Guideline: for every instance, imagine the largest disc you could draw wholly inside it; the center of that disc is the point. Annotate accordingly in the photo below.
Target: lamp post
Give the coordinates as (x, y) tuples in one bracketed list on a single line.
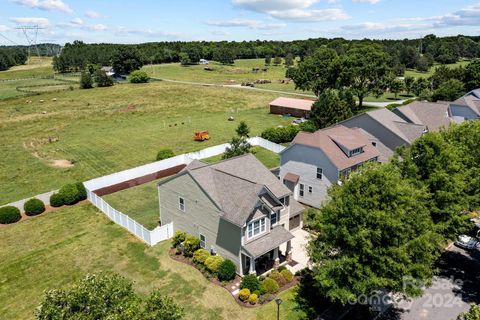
[(278, 301)]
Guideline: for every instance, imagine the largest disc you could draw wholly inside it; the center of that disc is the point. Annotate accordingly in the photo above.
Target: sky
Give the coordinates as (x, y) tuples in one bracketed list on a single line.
[(140, 21)]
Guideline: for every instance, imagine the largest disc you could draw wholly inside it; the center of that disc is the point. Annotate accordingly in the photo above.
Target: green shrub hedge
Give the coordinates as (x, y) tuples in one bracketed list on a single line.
[(33, 207), (253, 298), (138, 76), (227, 270), (200, 256), (244, 294), (190, 245), (270, 285), (281, 134), (250, 282), (277, 276), (178, 238), (56, 200), (81, 191), (213, 263), (69, 193), (165, 154), (287, 275), (9, 214)]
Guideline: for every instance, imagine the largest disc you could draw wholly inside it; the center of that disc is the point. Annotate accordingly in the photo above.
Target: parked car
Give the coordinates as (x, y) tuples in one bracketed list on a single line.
[(299, 120), (467, 242)]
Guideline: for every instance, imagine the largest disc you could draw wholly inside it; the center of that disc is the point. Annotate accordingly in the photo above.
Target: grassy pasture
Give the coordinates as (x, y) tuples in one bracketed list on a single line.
[(36, 67), (55, 249), (141, 202), (101, 134), (419, 74)]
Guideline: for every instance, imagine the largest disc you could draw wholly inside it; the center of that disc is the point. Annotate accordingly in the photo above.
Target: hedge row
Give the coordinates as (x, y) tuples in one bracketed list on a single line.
[(69, 194), (34, 207), (9, 214), (287, 133)]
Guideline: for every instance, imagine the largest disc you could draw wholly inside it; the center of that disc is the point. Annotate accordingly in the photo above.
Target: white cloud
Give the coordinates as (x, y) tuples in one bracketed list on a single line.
[(147, 32), (3, 28), (98, 27), (48, 5), (219, 32), (31, 20), (251, 24), (367, 1), (292, 10), (77, 22), (92, 14)]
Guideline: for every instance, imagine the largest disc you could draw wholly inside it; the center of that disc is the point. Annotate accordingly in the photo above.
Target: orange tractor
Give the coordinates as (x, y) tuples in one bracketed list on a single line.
[(201, 136)]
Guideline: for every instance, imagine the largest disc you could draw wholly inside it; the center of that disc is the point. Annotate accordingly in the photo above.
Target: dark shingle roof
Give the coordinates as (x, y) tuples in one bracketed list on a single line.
[(277, 236)]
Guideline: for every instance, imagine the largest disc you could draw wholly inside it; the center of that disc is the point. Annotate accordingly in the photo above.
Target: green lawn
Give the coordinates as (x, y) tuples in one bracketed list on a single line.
[(56, 249), (36, 67), (8, 89), (389, 97), (141, 202), (418, 74), (101, 135)]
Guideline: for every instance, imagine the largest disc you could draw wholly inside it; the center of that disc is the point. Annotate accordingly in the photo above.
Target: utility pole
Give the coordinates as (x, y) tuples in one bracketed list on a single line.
[(31, 38)]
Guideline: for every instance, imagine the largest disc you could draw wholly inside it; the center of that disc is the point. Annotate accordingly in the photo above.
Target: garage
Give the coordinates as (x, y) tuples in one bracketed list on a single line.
[(294, 222)]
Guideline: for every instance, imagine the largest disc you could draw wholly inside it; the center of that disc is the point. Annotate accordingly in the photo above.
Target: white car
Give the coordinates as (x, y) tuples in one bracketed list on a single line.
[(467, 242)]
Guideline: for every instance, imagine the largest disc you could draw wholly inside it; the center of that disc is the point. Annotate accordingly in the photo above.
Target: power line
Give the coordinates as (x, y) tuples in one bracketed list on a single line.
[(1, 35), (32, 40)]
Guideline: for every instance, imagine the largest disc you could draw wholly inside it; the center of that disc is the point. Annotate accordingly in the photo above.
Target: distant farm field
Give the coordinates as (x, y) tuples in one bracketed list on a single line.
[(419, 74), (104, 130)]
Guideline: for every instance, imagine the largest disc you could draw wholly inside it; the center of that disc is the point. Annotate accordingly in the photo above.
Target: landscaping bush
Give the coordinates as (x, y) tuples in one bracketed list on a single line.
[(165, 154), (281, 134), (9, 214), (266, 298), (190, 245), (69, 194), (250, 282), (307, 126), (244, 294), (178, 238), (227, 270), (138, 76), (81, 191), (213, 263), (33, 207), (253, 299), (56, 200), (281, 268), (287, 275), (200, 256), (270, 285), (277, 276), (261, 289)]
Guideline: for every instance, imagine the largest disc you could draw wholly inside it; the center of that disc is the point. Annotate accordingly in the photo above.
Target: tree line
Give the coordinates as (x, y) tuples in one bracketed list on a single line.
[(415, 53), (10, 57)]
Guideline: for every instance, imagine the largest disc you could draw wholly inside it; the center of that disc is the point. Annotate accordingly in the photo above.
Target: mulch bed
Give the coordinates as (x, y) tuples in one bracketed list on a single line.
[(227, 286), (48, 209)]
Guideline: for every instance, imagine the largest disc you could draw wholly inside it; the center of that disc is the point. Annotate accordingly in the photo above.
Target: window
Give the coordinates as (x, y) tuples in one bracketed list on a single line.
[(181, 204), (310, 189), (202, 241), (302, 190), (319, 173), (256, 227), (273, 218), (282, 201), (374, 143), (356, 151)]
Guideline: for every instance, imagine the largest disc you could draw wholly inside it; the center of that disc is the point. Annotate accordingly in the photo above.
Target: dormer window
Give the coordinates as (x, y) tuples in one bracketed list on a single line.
[(355, 151)]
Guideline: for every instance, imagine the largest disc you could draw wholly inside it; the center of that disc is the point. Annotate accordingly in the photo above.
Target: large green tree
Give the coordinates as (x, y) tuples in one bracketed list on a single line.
[(472, 75), (330, 108), (126, 60), (449, 91), (373, 233), (239, 145), (105, 296)]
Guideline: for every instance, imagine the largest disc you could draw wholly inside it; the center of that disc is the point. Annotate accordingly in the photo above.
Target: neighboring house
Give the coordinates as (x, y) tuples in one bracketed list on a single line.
[(433, 115), (296, 107), (315, 161), (237, 208), (386, 130), (203, 61), (109, 71), (466, 107)]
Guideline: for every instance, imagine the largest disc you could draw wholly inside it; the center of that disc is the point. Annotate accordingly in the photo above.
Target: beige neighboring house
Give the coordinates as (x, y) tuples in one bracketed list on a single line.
[(433, 115), (237, 208)]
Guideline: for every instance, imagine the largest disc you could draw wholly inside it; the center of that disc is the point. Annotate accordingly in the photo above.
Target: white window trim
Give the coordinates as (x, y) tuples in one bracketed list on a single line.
[(321, 173), (204, 241), (310, 189), (277, 214), (180, 199), (301, 189), (253, 228)]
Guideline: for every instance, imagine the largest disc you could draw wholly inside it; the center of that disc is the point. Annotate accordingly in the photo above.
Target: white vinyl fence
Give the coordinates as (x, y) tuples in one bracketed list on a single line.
[(160, 233)]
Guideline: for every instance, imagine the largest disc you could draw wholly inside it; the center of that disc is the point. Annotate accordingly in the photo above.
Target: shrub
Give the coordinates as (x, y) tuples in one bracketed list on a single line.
[(261, 290), (307, 126), (165, 154), (213, 263), (250, 282), (281, 268), (178, 238), (69, 194), (281, 134), (253, 298), (200, 256), (9, 214), (56, 200), (227, 270), (81, 191), (270, 285), (190, 245), (287, 275), (277, 276), (266, 298), (244, 294), (33, 207), (138, 76)]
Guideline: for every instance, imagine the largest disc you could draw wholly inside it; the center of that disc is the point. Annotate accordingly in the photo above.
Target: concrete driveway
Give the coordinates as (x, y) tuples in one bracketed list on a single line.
[(452, 292)]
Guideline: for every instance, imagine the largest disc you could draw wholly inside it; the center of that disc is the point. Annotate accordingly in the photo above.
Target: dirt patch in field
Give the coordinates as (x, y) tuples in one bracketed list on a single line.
[(62, 163)]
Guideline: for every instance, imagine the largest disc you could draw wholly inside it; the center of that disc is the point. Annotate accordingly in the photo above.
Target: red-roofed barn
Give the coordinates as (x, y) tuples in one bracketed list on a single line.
[(296, 107)]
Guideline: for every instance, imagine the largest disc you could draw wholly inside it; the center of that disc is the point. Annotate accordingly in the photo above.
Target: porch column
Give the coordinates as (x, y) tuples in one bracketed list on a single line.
[(276, 259), (289, 251), (252, 266)]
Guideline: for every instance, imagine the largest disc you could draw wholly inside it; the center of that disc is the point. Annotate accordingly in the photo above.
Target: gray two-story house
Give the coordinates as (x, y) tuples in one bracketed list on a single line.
[(237, 208), (315, 161)]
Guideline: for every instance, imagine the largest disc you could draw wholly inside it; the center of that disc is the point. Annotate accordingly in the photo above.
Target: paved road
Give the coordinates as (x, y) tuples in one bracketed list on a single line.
[(452, 292)]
